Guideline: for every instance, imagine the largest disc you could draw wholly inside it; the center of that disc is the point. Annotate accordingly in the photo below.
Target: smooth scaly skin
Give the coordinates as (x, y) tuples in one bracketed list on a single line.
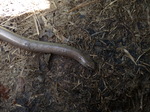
[(45, 47)]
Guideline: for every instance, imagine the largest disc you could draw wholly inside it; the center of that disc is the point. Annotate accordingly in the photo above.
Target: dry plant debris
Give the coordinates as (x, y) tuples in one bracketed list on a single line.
[(116, 34)]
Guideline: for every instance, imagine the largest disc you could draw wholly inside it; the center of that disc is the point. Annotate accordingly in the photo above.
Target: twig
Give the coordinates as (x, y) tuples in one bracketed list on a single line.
[(142, 54), (82, 5), (108, 6), (37, 25), (130, 56)]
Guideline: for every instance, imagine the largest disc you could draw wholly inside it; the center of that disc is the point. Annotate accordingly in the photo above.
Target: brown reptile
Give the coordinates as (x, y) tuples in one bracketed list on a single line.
[(46, 47)]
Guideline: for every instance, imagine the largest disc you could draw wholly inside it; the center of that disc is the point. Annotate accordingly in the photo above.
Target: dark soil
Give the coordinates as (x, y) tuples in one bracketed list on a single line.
[(116, 34)]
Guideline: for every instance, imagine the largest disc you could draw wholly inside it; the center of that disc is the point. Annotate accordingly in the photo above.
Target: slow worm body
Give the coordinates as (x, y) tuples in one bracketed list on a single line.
[(45, 47)]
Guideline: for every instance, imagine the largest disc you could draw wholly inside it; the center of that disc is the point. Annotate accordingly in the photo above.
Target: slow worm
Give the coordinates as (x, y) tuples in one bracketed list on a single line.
[(45, 47)]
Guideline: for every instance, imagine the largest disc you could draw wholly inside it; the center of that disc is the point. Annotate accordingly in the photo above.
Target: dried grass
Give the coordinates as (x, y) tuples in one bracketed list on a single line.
[(114, 32)]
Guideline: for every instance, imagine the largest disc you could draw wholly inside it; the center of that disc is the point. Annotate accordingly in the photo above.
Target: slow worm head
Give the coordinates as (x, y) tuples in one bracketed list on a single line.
[(45, 47)]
